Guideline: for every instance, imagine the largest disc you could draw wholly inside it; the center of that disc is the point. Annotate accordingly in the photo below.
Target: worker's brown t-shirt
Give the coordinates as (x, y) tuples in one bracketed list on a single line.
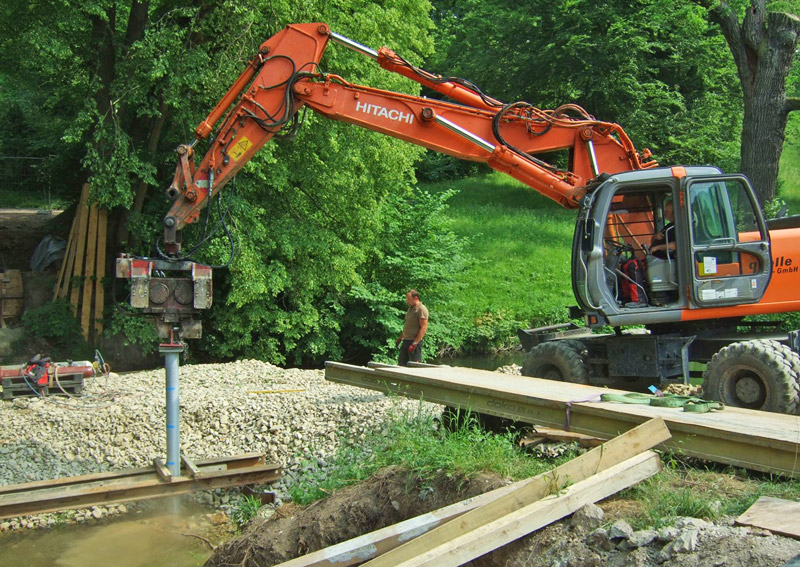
[(411, 326)]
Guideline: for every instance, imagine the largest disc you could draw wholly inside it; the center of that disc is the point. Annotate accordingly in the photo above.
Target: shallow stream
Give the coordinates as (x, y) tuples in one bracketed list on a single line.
[(148, 538)]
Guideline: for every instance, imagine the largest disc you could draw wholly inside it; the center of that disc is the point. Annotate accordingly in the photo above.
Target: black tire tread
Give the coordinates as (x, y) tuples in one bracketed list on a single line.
[(781, 363), (566, 355)]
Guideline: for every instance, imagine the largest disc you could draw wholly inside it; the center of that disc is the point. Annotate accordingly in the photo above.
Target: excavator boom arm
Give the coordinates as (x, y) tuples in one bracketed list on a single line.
[(283, 78)]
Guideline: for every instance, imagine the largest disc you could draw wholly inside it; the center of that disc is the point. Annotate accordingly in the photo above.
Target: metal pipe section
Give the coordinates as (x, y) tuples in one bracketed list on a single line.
[(593, 158), (466, 134), (171, 360), (354, 45)]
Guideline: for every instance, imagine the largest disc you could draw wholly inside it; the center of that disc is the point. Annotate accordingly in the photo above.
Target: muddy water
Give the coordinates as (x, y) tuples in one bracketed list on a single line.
[(144, 539)]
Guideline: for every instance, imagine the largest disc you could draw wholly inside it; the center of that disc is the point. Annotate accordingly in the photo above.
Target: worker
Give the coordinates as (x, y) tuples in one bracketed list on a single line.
[(664, 239), (414, 329)]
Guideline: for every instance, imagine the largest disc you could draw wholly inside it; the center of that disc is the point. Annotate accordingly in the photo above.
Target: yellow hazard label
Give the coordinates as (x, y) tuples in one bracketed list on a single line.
[(239, 147)]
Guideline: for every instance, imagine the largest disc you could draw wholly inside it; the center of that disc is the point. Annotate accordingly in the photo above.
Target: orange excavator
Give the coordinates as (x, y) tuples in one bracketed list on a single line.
[(683, 254)]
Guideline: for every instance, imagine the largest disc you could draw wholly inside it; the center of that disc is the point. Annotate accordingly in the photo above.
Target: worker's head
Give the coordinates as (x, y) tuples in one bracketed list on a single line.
[(412, 297), (669, 211)]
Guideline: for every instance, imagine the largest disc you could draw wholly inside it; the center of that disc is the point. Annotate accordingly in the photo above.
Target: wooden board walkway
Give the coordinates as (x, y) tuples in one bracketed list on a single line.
[(134, 484), (750, 439), (774, 514)]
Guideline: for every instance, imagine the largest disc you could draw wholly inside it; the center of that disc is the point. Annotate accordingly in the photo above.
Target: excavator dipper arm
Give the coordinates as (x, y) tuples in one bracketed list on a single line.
[(284, 77)]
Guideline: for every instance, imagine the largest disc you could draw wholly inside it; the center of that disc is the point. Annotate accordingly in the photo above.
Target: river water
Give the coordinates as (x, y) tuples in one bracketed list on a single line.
[(151, 538)]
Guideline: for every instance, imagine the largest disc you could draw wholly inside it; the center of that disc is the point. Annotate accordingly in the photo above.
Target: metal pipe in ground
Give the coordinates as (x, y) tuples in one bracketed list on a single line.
[(172, 354)]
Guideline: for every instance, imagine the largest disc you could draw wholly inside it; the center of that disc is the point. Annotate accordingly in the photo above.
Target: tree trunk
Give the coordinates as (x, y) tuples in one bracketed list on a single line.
[(141, 187), (763, 47)]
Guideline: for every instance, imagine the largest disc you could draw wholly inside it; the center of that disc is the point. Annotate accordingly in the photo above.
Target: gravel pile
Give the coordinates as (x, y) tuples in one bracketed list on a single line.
[(121, 423)]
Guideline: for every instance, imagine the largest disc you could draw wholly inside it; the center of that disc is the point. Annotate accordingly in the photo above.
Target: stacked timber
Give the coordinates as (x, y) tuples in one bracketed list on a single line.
[(11, 295), (80, 279)]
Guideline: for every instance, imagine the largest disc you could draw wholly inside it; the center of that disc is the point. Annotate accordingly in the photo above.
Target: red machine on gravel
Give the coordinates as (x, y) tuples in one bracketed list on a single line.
[(40, 376), (718, 268)]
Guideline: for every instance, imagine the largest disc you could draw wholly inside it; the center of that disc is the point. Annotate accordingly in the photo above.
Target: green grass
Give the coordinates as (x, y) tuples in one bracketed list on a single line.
[(17, 199), (709, 493), (415, 442), (789, 173), (521, 242), (246, 509)]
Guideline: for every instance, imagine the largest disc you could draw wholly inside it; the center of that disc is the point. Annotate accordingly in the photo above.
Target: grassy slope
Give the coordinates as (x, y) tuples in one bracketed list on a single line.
[(789, 176), (521, 242)]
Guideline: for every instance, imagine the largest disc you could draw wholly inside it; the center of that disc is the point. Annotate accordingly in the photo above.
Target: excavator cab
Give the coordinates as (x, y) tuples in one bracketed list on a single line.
[(650, 245)]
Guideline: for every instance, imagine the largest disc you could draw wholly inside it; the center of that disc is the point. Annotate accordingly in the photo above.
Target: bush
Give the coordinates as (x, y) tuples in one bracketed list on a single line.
[(434, 167), (52, 330)]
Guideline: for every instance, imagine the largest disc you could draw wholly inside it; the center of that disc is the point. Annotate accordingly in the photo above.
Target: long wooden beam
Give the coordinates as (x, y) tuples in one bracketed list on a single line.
[(132, 484), (474, 543), (416, 534), (612, 453), (750, 439)]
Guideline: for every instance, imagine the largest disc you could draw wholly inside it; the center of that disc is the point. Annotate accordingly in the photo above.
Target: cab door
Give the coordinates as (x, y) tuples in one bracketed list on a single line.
[(730, 249)]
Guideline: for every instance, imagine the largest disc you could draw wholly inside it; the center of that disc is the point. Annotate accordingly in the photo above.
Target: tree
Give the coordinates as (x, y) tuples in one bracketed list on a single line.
[(656, 67), (763, 46), (120, 83)]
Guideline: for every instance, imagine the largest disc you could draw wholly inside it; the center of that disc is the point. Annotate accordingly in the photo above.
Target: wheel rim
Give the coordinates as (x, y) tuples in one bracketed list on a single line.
[(746, 388), (551, 372)]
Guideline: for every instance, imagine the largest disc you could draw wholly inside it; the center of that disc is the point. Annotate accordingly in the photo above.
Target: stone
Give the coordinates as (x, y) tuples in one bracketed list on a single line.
[(620, 530), (667, 534), (639, 539), (589, 517), (692, 523), (599, 539), (686, 542)]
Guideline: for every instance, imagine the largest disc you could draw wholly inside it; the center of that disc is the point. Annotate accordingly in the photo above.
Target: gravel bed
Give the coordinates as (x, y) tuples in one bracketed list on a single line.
[(121, 422)]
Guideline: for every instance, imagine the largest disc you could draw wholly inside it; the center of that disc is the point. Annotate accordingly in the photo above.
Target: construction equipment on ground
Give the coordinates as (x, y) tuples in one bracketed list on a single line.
[(684, 251), (41, 377)]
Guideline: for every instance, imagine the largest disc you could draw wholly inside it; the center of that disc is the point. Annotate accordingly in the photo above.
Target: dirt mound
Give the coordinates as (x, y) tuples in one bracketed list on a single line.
[(390, 497), (395, 495)]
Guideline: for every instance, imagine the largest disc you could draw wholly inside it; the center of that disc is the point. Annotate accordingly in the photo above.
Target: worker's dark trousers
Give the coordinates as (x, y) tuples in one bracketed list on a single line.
[(405, 357)]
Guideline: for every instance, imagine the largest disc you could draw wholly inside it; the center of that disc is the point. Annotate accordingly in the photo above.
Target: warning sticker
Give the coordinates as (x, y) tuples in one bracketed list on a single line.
[(239, 147), (708, 294)]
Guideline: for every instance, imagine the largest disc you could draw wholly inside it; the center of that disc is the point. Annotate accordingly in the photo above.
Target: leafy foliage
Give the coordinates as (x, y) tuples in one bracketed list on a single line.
[(52, 330), (658, 68), (245, 510), (329, 231)]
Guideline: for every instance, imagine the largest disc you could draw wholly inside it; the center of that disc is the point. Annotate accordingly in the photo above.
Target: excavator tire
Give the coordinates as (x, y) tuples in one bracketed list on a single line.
[(761, 375), (557, 360)]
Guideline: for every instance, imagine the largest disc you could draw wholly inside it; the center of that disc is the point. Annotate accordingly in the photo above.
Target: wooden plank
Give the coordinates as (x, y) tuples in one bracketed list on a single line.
[(745, 438), (100, 272), (125, 489), (567, 436), (80, 247), (373, 544), (492, 535), (777, 515), (69, 257), (213, 464), (162, 470), (376, 543), (610, 454), (66, 265), (190, 466), (88, 273)]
